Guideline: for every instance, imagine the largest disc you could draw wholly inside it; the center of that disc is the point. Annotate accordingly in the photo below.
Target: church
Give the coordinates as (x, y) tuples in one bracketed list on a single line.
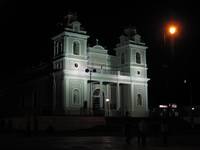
[(88, 79), (84, 80)]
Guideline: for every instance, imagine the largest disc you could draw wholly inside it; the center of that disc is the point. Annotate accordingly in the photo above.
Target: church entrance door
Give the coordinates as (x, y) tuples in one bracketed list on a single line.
[(96, 102)]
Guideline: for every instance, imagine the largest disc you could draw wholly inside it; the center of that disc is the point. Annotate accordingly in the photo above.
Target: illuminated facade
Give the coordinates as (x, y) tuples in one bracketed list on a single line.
[(89, 80)]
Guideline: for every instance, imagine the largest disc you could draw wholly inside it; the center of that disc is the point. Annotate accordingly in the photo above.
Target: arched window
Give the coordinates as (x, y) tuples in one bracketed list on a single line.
[(122, 58), (96, 92), (76, 48), (139, 100), (76, 96), (138, 58)]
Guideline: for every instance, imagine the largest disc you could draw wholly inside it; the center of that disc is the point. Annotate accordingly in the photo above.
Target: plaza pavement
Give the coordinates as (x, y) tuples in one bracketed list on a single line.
[(13, 141)]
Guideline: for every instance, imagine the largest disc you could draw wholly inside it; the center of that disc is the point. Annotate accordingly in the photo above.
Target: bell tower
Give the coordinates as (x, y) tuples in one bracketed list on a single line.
[(71, 44), (69, 63), (131, 52)]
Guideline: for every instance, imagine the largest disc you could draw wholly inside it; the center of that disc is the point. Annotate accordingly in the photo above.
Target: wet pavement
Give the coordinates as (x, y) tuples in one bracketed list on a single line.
[(191, 142)]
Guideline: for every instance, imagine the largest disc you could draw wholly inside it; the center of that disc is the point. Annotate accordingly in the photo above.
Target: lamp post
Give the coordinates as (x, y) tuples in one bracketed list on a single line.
[(192, 108), (108, 106), (90, 70), (170, 32), (190, 88)]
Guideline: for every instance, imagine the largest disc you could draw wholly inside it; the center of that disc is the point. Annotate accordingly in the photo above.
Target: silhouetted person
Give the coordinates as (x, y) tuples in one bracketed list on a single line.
[(85, 108), (164, 131), (142, 126), (128, 128)]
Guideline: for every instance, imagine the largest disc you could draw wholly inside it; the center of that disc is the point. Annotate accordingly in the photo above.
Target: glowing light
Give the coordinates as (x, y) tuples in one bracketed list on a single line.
[(163, 106), (172, 30), (185, 81), (174, 106), (107, 100)]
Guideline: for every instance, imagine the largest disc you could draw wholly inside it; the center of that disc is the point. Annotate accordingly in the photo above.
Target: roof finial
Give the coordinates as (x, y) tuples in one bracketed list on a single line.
[(97, 42), (69, 18)]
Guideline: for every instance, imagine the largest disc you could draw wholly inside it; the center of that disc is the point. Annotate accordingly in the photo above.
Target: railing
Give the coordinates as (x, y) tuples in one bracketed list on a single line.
[(124, 74), (112, 72), (106, 71)]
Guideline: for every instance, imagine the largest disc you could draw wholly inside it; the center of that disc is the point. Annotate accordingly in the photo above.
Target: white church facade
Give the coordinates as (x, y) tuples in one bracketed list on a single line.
[(84, 80), (89, 80)]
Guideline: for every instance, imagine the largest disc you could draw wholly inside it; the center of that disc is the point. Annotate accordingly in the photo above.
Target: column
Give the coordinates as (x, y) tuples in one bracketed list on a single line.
[(118, 94), (132, 98), (65, 44), (101, 95), (108, 101), (85, 92), (67, 92), (91, 90), (107, 91), (146, 96), (63, 88), (118, 97), (54, 92)]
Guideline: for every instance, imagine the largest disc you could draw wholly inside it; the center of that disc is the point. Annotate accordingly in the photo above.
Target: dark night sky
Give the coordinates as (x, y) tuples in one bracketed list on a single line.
[(27, 26)]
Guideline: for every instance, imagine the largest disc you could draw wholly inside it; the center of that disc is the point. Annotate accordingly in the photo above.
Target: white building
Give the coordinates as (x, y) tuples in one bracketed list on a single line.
[(88, 80), (84, 80)]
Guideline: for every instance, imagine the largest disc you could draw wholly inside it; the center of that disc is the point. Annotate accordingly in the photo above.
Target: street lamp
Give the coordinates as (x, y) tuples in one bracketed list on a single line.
[(108, 105), (169, 30), (169, 33), (172, 29), (90, 70)]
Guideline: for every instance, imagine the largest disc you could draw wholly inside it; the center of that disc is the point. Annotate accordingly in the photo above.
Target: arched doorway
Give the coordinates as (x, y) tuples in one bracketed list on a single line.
[(96, 100), (96, 104)]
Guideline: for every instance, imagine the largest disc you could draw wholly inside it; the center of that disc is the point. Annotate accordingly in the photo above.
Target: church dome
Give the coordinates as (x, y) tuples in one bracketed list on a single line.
[(98, 47)]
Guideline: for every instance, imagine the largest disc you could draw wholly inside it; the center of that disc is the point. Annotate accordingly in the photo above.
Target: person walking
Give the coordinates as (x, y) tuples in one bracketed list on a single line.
[(128, 128), (164, 132), (142, 126)]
